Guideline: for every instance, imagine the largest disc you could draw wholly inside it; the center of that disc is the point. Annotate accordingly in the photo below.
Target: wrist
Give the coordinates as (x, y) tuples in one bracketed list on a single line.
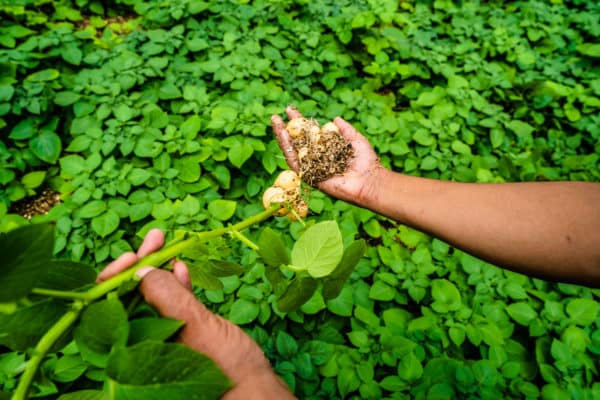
[(370, 194)]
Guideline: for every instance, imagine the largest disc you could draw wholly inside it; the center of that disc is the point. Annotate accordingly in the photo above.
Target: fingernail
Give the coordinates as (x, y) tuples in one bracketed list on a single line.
[(142, 272)]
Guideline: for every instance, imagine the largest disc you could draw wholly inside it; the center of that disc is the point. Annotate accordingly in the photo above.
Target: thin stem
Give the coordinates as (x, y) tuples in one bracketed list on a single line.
[(240, 236), (42, 347), (171, 251), (294, 268), (60, 294)]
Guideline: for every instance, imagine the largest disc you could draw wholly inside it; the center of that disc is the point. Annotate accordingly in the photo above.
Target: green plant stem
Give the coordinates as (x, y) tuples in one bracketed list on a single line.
[(156, 259), (160, 257), (42, 347), (60, 294), (240, 236)]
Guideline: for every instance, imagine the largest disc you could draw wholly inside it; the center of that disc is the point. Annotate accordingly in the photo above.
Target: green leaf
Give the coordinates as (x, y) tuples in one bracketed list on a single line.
[(189, 169), (589, 49), (460, 148), (243, 312), (67, 275), (428, 99), (410, 368), (6, 93), (224, 268), (201, 278), (46, 146), (22, 329), (150, 328), (68, 368), (333, 284), (342, 304), (239, 153), (520, 128), (496, 137), (43, 75), (85, 395), (106, 223), (25, 254), (446, 296), (33, 179), (153, 370), (347, 381), (190, 128), (367, 316), (222, 209), (521, 312), (319, 249), (298, 292), (72, 165), (92, 209), (102, 327), (272, 248), (286, 345), (138, 176), (582, 311), (169, 91), (25, 129), (381, 291), (66, 98)]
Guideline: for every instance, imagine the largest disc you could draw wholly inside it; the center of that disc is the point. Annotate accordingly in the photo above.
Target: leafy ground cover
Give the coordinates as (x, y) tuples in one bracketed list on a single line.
[(155, 114)]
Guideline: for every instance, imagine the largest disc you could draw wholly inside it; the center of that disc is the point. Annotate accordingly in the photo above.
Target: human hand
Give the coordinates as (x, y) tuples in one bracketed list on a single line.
[(358, 183), (230, 347)]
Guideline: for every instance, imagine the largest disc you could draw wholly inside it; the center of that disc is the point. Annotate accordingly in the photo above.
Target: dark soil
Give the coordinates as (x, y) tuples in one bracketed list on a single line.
[(36, 205), (328, 157)]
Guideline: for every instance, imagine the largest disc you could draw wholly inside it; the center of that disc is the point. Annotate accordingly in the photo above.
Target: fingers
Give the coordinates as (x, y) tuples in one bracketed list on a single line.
[(125, 261), (153, 241), (284, 142), (292, 112), (347, 130), (163, 291), (182, 274)]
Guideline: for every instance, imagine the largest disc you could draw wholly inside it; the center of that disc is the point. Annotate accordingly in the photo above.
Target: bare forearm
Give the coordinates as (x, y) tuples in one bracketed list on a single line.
[(549, 230)]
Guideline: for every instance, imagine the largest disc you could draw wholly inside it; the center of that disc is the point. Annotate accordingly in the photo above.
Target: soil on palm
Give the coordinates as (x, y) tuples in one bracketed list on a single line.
[(319, 161)]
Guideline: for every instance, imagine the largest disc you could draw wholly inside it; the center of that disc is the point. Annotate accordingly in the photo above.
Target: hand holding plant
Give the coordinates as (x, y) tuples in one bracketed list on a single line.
[(356, 184), (239, 357)]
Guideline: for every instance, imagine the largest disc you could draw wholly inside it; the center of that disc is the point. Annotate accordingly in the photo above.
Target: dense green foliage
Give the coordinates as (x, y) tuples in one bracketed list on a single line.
[(153, 113)]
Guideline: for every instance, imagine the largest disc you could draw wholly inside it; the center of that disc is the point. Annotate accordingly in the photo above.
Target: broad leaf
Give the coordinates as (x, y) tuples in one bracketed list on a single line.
[(22, 329), (67, 275), (272, 248), (446, 296), (298, 292), (154, 370), (46, 146), (582, 311), (224, 268), (243, 311), (521, 312), (103, 326), (25, 255), (319, 249), (85, 395), (152, 329), (222, 209), (333, 284), (201, 278)]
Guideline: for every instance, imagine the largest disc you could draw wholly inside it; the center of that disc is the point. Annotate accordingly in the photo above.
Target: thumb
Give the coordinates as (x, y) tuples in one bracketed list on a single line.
[(169, 296)]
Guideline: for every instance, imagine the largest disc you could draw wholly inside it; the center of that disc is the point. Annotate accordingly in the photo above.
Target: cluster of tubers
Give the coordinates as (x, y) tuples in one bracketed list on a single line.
[(286, 190)]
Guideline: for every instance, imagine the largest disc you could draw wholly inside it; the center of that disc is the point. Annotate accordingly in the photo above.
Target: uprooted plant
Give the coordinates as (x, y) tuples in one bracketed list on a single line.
[(43, 299)]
